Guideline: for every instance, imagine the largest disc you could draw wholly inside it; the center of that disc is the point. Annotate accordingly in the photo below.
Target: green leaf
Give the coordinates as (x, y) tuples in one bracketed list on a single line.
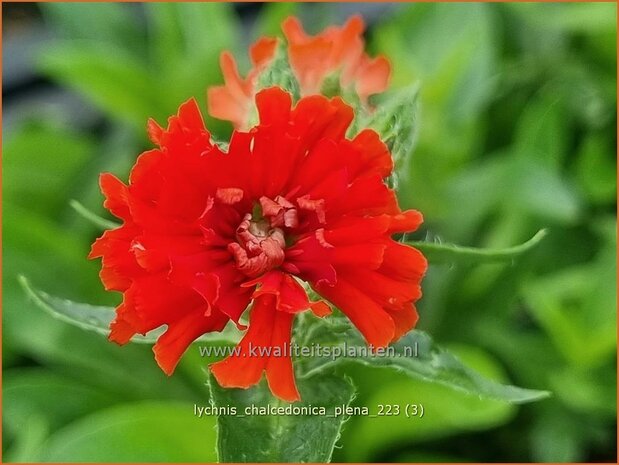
[(115, 154), (106, 22), (583, 296), (33, 245), (446, 412), (89, 317), (557, 436), (279, 74), (118, 370), (92, 217), (98, 318), (40, 162), (596, 170), (29, 440), (110, 77), (458, 74), (541, 132), (587, 391), (415, 354), (457, 69), (207, 27), (185, 41), (584, 18), (507, 184), (141, 432), (58, 399), (271, 17), (165, 37), (450, 253), (280, 438)]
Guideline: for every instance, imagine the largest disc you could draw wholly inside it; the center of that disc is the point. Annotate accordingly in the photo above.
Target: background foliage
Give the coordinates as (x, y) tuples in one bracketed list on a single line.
[(516, 133)]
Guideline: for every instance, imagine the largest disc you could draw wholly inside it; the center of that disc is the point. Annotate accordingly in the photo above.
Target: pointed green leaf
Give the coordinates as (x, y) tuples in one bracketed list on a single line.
[(448, 412), (107, 75), (271, 16), (151, 431), (566, 301), (415, 354), (281, 437), (29, 440), (57, 397), (101, 21), (51, 157), (90, 317), (98, 318), (449, 253)]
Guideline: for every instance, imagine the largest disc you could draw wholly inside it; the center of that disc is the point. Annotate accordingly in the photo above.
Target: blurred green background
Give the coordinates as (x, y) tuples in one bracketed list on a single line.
[(517, 131)]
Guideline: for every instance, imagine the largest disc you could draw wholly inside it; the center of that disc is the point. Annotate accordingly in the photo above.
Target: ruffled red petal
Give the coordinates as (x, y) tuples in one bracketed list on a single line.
[(118, 265), (121, 331), (279, 370), (369, 155), (152, 301), (206, 232), (116, 196), (289, 294), (368, 316), (180, 334), (265, 347)]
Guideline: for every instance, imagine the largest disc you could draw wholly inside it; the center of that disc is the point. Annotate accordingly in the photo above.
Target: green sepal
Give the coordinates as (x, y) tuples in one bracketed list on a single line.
[(278, 73), (395, 120)]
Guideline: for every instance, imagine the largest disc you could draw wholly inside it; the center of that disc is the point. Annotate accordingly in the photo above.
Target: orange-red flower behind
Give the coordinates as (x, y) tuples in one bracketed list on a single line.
[(313, 59), (206, 232)]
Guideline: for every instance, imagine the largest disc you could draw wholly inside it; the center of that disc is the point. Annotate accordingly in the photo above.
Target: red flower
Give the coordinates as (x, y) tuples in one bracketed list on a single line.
[(205, 232), (312, 58)]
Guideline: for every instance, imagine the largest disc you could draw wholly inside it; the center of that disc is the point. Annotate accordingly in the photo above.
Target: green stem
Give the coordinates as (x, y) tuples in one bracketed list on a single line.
[(92, 217), (450, 253)]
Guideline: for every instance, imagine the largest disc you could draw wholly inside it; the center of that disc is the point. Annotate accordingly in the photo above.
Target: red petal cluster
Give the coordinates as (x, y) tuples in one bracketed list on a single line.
[(207, 232), (312, 58)]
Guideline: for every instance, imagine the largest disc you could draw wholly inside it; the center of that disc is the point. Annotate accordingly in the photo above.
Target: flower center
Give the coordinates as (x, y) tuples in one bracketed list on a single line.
[(260, 238)]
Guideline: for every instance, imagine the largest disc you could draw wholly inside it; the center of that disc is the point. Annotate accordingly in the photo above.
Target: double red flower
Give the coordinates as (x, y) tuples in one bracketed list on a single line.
[(206, 232), (337, 52)]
